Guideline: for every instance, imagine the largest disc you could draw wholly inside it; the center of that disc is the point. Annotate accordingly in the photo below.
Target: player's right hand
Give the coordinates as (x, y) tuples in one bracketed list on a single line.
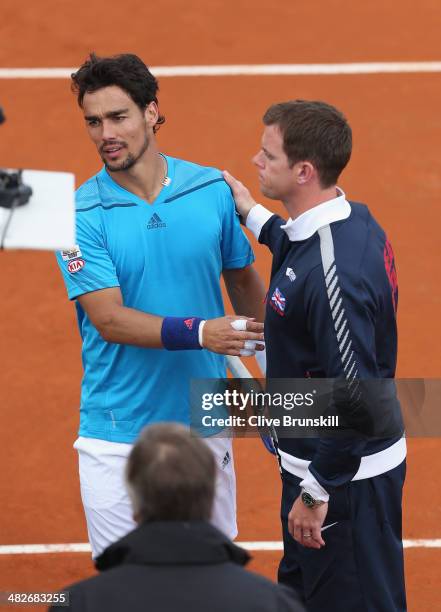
[(218, 335)]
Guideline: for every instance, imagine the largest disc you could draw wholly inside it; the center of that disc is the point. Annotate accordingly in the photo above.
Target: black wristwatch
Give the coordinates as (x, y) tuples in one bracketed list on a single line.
[(309, 500)]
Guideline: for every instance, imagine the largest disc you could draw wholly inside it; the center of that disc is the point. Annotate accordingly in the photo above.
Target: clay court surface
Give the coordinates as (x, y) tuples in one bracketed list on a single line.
[(213, 121)]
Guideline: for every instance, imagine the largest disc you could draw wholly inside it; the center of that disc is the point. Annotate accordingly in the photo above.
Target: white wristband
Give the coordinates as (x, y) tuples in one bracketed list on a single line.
[(200, 334)]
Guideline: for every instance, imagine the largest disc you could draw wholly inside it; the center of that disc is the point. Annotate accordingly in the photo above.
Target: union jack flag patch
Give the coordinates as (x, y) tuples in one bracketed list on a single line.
[(278, 302)]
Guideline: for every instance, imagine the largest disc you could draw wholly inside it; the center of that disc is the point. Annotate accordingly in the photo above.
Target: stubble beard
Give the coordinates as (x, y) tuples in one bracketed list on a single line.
[(130, 160)]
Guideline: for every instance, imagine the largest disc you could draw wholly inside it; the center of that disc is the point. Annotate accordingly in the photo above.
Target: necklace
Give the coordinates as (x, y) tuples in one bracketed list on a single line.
[(166, 180)]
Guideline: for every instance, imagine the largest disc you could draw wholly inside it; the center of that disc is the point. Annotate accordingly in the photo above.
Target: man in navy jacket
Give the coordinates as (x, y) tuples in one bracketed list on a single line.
[(331, 313)]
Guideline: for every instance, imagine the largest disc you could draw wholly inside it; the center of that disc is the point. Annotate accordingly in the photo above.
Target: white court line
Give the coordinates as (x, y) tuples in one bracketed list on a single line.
[(243, 70), (31, 549)]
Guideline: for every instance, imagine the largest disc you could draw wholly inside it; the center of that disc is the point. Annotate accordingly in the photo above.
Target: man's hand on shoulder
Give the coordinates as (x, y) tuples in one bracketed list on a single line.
[(242, 197)]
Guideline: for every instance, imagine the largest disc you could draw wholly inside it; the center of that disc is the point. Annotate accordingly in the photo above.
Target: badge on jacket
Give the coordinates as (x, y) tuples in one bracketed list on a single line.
[(278, 302)]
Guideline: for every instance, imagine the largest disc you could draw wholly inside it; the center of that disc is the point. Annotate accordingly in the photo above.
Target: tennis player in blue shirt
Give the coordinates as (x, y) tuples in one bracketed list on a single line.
[(154, 235)]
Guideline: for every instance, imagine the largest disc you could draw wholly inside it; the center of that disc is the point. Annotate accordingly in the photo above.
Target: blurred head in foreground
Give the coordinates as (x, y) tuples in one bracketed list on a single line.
[(170, 475)]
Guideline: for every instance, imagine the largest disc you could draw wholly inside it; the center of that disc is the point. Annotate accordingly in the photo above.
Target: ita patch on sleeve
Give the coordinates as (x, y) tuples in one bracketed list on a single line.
[(72, 253)]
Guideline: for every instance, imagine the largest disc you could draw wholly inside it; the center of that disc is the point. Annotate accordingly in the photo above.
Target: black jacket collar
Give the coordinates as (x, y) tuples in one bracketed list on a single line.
[(174, 543)]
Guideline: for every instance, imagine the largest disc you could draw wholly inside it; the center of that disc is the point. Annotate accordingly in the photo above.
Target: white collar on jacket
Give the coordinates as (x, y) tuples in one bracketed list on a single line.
[(306, 224)]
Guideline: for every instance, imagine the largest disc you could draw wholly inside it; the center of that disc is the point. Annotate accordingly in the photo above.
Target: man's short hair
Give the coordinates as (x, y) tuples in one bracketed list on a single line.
[(316, 132), (126, 71), (171, 475)]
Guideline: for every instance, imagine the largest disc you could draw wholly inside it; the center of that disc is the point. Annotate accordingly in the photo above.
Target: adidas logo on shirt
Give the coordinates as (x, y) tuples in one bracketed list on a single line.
[(226, 460), (155, 222)]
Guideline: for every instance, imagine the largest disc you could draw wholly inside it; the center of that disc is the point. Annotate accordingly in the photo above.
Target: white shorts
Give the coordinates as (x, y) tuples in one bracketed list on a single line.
[(107, 505)]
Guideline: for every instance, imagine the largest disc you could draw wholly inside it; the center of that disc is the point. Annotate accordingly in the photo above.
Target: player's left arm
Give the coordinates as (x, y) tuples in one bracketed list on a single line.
[(245, 288), (247, 294), (246, 291)]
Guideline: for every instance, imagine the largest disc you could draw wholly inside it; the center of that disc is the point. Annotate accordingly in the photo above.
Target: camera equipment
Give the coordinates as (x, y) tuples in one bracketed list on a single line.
[(13, 192), (37, 208)]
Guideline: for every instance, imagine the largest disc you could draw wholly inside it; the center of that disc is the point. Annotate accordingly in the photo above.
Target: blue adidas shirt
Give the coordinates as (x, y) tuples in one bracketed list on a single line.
[(167, 259)]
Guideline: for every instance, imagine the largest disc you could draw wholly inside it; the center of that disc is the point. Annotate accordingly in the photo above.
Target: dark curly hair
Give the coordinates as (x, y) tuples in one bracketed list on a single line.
[(126, 71)]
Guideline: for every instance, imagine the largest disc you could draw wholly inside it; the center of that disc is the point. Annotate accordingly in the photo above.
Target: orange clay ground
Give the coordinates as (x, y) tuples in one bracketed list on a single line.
[(213, 121)]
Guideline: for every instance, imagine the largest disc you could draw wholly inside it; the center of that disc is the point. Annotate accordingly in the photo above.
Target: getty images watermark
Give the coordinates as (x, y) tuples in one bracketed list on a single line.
[(316, 407), (259, 402)]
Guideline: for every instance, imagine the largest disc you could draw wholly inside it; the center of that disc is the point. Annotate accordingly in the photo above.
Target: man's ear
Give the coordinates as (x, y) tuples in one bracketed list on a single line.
[(151, 114), (304, 172)]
